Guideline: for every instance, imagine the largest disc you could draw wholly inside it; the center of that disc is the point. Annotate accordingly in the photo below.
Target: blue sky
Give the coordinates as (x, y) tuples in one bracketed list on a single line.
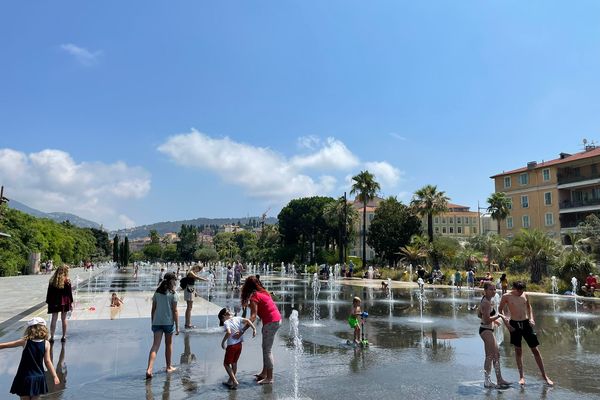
[(130, 113)]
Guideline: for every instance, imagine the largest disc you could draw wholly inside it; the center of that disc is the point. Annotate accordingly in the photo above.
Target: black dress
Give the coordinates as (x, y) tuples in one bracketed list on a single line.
[(30, 379), (59, 300)]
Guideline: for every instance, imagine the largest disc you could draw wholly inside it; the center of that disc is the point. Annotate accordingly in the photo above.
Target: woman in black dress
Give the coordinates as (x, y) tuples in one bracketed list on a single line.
[(60, 300)]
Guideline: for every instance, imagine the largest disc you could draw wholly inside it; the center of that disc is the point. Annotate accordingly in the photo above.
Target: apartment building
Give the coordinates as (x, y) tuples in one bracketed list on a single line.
[(458, 222), (552, 196)]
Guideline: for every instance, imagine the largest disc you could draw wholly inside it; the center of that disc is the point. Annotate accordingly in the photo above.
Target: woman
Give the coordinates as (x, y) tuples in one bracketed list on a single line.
[(489, 320), (189, 292), (60, 300), (165, 319), (261, 304)]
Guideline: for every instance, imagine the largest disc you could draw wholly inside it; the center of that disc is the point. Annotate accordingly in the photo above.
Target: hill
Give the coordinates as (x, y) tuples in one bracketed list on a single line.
[(54, 216), (175, 226)]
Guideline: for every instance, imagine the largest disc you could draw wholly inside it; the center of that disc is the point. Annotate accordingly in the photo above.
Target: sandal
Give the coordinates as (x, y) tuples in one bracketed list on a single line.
[(63, 339)]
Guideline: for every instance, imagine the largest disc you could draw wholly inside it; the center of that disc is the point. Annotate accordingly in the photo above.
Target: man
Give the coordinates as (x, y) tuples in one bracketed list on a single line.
[(590, 285), (521, 327)]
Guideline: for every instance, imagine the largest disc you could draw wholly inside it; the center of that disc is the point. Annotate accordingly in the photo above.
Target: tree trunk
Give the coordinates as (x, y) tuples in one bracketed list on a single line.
[(536, 272), (364, 247), (430, 227)]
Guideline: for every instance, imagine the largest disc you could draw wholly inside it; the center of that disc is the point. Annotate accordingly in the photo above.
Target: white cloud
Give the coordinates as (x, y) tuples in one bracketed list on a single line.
[(126, 222), (333, 155), (262, 172), (82, 55), (398, 136), (309, 142), (51, 180), (270, 176), (386, 174)]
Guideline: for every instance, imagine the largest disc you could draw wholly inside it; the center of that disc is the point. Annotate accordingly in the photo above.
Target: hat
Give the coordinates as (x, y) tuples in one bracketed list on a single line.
[(36, 321), (221, 316)]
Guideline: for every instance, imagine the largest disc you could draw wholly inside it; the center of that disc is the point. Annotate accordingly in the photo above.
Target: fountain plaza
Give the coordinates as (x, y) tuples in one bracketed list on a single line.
[(423, 344)]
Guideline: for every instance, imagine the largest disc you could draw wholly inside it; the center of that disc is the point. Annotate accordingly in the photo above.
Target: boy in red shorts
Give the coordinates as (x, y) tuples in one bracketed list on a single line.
[(233, 343)]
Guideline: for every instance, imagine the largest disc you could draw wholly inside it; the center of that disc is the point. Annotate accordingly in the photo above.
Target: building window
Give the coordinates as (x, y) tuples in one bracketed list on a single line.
[(549, 219), (524, 201), (436, 220), (510, 203), (451, 220), (548, 198), (507, 181), (443, 229), (437, 229), (371, 217), (458, 220), (474, 230), (458, 229), (546, 174), (443, 220), (509, 222), (525, 221), (451, 229), (594, 169), (524, 179)]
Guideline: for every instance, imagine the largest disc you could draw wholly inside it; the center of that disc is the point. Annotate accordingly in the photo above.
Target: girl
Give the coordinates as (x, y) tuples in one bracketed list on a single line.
[(165, 319), (262, 305), (504, 283), (59, 299), (188, 295), (30, 381), (489, 319)]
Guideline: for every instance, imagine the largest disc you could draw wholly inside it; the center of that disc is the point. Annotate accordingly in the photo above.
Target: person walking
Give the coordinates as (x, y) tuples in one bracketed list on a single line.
[(59, 298), (254, 295), (165, 320)]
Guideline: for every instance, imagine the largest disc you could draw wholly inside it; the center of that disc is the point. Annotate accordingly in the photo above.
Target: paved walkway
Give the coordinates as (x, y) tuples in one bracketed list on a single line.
[(21, 295)]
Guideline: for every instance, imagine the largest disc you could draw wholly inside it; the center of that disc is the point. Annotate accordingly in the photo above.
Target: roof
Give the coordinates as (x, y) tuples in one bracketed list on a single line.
[(451, 205), (544, 164)]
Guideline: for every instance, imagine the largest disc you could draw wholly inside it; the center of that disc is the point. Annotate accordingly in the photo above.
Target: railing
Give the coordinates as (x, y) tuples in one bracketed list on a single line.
[(580, 203), (564, 179)]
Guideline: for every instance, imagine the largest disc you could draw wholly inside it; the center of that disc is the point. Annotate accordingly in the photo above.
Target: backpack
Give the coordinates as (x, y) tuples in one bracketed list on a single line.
[(183, 282)]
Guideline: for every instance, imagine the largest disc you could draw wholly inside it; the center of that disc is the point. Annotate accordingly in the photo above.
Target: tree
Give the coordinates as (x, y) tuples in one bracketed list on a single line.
[(188, 242), (342, 218), (428, 202), (206, 254), (499, 207), (116, 249), (126, 252), (226, 246), (574, 263), (303, 228), (366, 188), (537, 250), (102, 241), (489, 244), (154, 238), (391, 228)]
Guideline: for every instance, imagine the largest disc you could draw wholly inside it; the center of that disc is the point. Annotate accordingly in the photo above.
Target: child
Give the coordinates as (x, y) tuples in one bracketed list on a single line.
[(189, 292), (59, 298), (504, 283), (234, 342), (115, 301), (229, 277), (355, 314), (165, 319), (458, 279), (30, 381)]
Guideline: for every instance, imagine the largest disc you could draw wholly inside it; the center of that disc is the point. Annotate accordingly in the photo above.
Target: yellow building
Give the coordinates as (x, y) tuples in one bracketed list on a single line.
[(552, 196), (356, 249), (458, 222)]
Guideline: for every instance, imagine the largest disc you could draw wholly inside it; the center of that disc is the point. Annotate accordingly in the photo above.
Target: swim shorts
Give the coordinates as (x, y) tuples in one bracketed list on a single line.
[(353, 321), (523, 330)]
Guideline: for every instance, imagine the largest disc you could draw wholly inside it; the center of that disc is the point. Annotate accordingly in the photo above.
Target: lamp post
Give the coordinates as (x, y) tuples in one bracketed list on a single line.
[(479, 217)]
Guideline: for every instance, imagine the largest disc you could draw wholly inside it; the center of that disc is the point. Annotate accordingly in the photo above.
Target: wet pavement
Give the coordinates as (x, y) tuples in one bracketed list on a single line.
[(435, 356)]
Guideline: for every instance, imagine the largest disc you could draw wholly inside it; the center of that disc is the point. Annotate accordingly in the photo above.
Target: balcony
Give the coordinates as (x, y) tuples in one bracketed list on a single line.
[(580, 203), (569, 180)]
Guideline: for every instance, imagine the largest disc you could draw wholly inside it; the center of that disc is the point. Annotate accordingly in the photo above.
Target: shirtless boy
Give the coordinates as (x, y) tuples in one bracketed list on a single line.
[(521, 327)]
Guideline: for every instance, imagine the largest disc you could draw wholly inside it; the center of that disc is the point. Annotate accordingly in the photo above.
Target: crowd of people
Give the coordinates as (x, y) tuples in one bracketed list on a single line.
[(514, 311)]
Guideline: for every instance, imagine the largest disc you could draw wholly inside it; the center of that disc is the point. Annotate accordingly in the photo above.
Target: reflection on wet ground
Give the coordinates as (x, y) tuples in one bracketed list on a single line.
[(437, 356)]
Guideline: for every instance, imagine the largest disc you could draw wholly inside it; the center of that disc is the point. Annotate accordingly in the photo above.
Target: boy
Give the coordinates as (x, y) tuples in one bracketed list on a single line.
[(353, 319), (234, 343), (521, 327)]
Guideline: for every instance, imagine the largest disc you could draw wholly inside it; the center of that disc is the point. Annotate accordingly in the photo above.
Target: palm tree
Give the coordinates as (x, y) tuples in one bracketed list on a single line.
[(366, 187), (428, 202), (413, 253), (499, 207), (341, 218), (537, 250)]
